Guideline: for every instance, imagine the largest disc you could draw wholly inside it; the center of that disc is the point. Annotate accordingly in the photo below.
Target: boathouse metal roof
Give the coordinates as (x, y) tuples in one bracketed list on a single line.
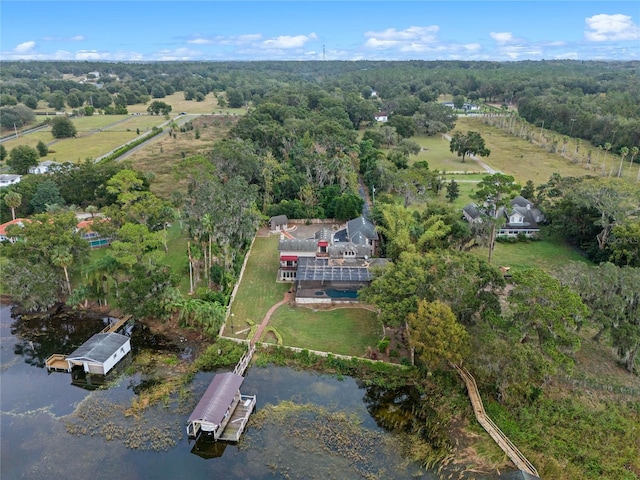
[(99, 347), (217, 398)]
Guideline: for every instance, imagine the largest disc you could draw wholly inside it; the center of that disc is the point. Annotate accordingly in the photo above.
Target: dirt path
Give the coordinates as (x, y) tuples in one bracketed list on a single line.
[(288, 296)]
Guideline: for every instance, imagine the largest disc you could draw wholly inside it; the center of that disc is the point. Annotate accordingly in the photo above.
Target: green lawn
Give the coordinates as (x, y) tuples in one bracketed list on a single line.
[(258, 290), (345, 331), (549, 254)]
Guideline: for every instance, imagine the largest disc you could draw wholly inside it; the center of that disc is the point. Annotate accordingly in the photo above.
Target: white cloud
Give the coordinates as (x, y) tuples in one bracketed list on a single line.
[(502, 38), (201, 41), (222, 40), (410, 39), (73, 38), (603, 27), (92, 55), (287, 41), (25, 47)]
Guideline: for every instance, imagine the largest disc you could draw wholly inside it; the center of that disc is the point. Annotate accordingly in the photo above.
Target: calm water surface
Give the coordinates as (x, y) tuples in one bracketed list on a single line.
[(39, 410), (51, 429)]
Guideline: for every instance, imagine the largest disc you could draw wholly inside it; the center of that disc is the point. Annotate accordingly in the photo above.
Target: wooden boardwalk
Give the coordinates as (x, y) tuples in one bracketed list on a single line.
[(498, 436), (114, 327)]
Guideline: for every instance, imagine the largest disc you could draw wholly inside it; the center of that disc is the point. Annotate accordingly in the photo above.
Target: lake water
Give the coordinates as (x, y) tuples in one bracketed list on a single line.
[(315, 426)]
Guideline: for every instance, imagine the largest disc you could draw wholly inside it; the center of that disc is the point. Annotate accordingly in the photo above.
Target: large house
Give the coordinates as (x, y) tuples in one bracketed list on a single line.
[(332, 265), (521, 218)]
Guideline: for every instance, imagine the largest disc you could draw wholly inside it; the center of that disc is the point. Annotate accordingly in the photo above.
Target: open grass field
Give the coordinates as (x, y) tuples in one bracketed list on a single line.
[(527, 161), (162, 153), (549, 254), (345, 331), (258, 290), (96, 135), (179, 104), (78, 149)]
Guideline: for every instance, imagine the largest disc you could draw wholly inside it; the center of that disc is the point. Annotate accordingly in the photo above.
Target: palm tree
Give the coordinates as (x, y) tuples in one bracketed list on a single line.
[(62, 257), (92, 209), (624, 151), (634, 154), (607, 147), (13, 201), (565, 140), (589, 153)]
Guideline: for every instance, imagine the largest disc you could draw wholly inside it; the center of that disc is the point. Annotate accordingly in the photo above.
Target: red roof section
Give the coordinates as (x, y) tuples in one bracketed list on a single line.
[(289, 258), (17, 221)]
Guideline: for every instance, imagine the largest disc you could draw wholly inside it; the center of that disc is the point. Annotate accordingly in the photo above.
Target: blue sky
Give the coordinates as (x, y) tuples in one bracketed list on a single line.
[(303, 30)]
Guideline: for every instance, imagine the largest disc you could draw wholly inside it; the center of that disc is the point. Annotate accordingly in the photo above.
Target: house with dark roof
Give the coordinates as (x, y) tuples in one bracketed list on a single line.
[(100, 353), (381, 117), (332, 265), (521, 218)]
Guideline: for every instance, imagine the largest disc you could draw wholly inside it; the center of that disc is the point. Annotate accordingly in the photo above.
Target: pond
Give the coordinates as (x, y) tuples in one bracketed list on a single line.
[(306, 426)]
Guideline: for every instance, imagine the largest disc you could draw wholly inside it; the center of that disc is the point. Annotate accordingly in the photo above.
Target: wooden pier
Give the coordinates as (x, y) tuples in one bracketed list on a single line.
[(114, 327), (239, 419)]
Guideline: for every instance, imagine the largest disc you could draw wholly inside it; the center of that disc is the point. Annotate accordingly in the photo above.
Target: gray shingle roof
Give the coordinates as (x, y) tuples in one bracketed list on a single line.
[(363, 226), (307, 245), (278, 220), (99, 347), (217, 398), (472, 211)]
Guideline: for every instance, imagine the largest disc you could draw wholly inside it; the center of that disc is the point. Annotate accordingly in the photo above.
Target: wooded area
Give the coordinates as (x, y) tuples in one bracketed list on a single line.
[(301, 139)]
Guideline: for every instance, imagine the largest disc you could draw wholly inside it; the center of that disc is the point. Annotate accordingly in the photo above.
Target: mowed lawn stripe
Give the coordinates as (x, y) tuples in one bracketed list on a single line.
[(258, 290)]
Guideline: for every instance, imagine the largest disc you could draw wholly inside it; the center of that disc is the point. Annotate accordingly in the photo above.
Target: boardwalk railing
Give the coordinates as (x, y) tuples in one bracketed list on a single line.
[(242, 365), (498, 436)]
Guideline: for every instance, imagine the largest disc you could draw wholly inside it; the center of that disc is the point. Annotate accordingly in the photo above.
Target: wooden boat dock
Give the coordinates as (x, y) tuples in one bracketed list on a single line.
[(239, 419), (223, 412)]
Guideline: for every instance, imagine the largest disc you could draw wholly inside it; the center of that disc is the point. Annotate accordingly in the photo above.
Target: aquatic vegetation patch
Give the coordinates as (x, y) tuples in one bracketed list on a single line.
[(325, 444), (98, 417)]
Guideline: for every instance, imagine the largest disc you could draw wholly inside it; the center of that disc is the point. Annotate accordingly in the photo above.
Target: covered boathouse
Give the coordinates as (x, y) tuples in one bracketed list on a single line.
[(222, 412), (100, 353)]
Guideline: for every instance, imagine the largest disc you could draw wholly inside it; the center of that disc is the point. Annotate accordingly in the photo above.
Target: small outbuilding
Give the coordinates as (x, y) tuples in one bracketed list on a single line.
[(100, 353), (278, 223)]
